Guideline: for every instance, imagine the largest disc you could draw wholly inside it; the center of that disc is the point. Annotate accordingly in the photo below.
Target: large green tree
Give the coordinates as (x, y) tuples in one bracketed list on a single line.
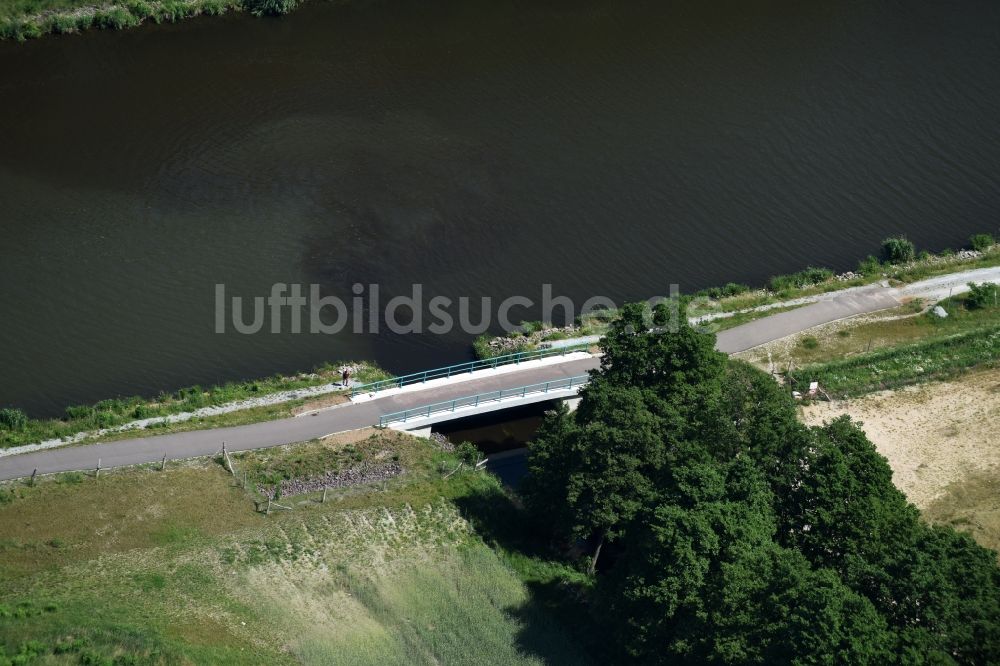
[(742, 536)]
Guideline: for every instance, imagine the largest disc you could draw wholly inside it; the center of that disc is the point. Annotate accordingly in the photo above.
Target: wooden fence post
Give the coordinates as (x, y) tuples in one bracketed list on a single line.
[(324, 496), (163, 463), (229, 462), (98, 468), (33, 475)]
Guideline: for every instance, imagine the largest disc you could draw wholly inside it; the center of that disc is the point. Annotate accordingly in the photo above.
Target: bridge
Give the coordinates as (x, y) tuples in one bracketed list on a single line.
[(482, 403), (512, 381), (422, 399)]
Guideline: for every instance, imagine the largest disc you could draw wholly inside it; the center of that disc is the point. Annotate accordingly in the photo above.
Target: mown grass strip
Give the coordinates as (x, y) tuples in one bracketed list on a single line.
[(901, 366)]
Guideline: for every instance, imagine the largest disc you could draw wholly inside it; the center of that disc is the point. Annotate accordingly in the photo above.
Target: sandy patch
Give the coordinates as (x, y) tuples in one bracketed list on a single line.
[(349, 436), (933, 435), (321, 403)]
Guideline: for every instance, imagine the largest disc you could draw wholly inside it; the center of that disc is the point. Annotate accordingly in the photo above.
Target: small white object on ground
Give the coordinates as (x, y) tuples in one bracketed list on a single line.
[(940, 312)]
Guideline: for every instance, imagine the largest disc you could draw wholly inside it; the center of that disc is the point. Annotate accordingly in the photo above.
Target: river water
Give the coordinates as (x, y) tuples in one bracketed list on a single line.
[(477, 148)]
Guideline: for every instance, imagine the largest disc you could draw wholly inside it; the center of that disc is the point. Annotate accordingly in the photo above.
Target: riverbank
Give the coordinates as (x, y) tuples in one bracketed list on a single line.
[(29, 19), (966, 338), (110, 419), (32, 19), (930, 277)]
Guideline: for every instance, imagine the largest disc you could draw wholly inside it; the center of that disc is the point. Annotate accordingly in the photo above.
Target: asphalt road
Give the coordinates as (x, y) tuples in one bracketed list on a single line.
[(352, 416), (764, 330), (349, 416)]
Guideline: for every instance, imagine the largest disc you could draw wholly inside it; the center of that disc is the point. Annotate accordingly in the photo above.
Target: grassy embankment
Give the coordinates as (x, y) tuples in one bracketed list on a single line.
[(907, 350), (813, 281), (28, 19), (180, 566), (741, 299), (17, 429)]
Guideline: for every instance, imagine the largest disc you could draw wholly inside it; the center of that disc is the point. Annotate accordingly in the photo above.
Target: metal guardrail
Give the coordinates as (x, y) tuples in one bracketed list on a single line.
[(482, 398), (462, 368)]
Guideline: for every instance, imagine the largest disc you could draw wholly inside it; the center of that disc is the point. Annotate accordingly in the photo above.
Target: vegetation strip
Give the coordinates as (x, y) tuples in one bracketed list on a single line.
[(900, 366), (35, 18), (899, 261), (17, 429)]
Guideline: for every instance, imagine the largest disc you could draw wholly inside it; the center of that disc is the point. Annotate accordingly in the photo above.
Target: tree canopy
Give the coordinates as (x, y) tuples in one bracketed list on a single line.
[(738, 535)]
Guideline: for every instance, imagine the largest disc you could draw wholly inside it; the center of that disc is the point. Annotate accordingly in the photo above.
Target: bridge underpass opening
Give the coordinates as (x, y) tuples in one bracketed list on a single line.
[(502, 436)]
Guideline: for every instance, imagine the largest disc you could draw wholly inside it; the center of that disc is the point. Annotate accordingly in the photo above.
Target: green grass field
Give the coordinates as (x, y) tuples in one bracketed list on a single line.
[(179, 566)]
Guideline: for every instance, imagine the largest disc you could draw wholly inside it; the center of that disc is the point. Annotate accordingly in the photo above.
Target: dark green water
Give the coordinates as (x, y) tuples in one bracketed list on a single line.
[(479, 148)]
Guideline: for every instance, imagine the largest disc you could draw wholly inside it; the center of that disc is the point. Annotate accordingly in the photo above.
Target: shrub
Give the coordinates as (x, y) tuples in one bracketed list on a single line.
[(468, 453), (9, 29), (91, 657), (898, 250), (139, 8), (214, 7), (84, 21), (529, 327), (981, 296), (79, 412), (20, 29), (809, 342), (13, 419), (730, 289), (982, 242), (269, 7), (173, 11), (69, 645), (870, 265), (734, 289), (62, 24), (115, 18), (810, 276)]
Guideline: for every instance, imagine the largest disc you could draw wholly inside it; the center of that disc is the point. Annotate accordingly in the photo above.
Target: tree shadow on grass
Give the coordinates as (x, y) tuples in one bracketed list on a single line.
[(558, 624)]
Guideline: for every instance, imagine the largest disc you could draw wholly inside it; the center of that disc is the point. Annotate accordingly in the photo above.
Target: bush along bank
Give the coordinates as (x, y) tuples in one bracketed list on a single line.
[(17, 429), (532, 335), (898, 260), (130, 14)]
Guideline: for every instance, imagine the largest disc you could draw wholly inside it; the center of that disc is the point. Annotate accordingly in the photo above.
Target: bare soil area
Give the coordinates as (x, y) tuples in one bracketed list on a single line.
[(942, 440), (933, 435)]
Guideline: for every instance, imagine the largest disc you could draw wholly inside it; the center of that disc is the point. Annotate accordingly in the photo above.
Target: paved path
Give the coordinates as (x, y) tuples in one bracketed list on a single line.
[(349, 416), (352, 416), (773, 327)]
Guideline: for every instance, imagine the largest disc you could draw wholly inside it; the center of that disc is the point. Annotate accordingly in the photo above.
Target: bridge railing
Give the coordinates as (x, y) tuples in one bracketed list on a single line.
[(462, 368), (483, 398)]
